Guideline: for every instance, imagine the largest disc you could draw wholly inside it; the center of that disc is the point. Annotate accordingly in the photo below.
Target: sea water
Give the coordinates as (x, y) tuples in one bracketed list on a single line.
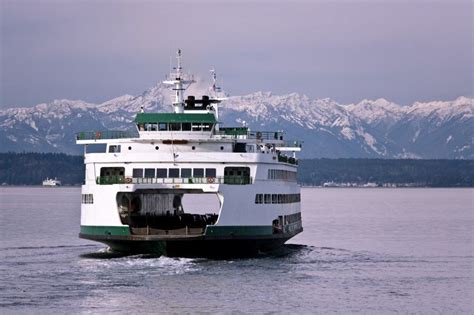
[(362, 250)]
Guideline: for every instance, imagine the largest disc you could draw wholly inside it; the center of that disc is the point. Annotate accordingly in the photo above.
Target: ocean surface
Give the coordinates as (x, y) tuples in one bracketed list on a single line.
[(363, 250)]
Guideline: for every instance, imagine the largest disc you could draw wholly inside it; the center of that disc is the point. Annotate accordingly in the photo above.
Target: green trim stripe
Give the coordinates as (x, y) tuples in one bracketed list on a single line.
[(105, 230), (238, 230), (174, 118)]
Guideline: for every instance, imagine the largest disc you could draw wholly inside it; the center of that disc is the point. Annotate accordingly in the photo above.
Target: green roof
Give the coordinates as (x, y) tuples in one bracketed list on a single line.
[(174, 118)]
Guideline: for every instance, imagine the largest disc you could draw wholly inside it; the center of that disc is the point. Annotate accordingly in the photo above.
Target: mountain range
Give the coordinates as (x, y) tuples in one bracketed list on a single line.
[(367, 129)]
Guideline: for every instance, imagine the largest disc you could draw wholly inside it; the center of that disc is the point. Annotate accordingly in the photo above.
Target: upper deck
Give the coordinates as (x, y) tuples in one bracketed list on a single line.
[(190, 127)]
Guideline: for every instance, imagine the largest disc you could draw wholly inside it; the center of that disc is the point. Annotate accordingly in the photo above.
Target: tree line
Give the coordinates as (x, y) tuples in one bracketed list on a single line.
[(409, 172), (33, 168)]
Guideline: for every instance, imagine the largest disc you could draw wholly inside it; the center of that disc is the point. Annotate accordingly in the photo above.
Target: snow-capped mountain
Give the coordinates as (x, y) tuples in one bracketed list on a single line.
[(369, 128)]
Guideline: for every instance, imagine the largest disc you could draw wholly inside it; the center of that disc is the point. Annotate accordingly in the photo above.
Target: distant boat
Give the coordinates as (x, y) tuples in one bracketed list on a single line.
[(331, 184), (370, 185), (49, 182)]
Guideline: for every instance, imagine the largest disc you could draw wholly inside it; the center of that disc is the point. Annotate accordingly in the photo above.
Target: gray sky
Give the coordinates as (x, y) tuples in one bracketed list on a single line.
[(346, 50)]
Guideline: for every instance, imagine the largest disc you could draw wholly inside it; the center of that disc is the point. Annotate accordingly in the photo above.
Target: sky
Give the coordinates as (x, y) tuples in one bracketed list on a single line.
[(404, 51)]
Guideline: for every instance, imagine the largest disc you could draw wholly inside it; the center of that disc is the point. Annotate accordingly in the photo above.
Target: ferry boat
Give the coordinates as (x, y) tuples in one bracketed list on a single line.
[(49, 182), (132, 198)]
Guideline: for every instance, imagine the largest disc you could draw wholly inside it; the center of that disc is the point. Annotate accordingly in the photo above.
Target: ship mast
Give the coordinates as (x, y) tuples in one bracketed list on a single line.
[(180, 83), (213, 91)]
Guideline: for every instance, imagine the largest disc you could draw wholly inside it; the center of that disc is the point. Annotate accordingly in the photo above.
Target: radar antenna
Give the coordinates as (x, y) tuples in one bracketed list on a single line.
[(215, 94)]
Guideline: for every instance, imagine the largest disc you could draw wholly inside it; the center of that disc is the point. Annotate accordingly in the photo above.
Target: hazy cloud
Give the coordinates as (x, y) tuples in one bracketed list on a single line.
[(96, 50)]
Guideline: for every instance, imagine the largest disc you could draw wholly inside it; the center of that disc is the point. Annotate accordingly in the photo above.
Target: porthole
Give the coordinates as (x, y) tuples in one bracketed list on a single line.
[(194, 148), (222, 148), (129, 148), (156, 148)]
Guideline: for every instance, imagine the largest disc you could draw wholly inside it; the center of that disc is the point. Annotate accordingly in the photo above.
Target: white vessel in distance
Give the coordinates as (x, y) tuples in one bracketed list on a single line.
[(49, 182), (132, 198)]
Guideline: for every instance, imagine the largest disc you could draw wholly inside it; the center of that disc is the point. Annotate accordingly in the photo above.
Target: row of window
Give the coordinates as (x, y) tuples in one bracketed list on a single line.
[(173, 172), (281, 175), (118, 149), (87, 198), (176, 127), (277, 198)]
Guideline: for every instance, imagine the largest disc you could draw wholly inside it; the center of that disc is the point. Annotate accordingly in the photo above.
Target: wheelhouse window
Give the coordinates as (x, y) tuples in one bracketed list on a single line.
[(259, 198), (186, 126), (162, 127), (201, 126), (151, 127), (175, 126)]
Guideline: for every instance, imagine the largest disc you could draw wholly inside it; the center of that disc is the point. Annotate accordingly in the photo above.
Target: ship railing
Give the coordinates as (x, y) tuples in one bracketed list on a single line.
[(293, 144), (244, 133), (110, 180), (227, 180), (287, 159), (107, 134)]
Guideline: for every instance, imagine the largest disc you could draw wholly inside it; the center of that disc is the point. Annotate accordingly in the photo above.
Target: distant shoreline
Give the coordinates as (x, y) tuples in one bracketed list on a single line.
[(30, 169), (383, 188), (302, 187), (40, 186)]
